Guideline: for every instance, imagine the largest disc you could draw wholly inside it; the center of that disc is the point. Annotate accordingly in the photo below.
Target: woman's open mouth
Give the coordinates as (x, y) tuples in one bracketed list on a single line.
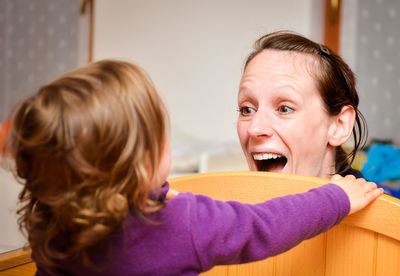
[(269, 162)]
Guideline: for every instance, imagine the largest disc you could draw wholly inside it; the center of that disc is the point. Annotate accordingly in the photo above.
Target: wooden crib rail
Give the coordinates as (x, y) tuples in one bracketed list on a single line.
[(365, 243)]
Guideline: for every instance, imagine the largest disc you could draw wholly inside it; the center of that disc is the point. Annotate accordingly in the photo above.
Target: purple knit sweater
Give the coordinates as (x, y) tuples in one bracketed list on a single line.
[(193, 233)]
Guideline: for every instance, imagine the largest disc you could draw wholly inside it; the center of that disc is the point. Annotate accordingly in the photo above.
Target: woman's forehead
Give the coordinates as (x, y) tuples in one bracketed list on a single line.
[(288, 61), (280, 68)]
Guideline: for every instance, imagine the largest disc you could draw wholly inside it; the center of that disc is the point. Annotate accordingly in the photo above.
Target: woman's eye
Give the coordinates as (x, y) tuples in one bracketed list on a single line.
[(285, 109), (246, 111)]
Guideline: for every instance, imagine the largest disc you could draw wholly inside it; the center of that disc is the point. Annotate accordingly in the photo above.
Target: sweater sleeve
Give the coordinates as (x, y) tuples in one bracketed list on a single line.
[(232, 232)]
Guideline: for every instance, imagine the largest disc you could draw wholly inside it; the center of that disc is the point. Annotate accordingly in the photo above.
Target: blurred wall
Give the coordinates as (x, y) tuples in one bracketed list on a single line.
[(371, 45), (39, 40), (195, 50)]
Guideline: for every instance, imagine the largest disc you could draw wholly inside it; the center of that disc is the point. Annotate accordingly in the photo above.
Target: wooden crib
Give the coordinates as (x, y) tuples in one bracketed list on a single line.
[(365, 243)]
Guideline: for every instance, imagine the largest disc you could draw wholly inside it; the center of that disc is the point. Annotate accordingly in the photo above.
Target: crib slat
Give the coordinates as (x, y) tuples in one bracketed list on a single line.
[(351, 251), (308, 258), (388, 256), (217, 271)]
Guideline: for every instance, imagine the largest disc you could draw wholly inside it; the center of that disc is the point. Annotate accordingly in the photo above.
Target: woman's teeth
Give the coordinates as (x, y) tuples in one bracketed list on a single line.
[(265, 156)]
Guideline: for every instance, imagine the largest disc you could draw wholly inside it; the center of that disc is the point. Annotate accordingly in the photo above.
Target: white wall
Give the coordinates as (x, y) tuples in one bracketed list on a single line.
[(10, 236), (195, 50)]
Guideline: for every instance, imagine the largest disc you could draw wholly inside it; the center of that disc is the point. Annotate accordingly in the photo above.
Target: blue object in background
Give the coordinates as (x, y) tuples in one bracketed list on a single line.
[(383, 167), (391, 188), (383, 163)]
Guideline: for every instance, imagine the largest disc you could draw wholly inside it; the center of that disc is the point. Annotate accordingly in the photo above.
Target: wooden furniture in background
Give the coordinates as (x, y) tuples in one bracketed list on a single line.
[(332, 24), (365, 243), (17, 263), (84, 5)]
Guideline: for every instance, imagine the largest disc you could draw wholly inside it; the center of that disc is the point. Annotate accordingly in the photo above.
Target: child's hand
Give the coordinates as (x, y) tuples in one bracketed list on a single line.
[(359, 191), (171, 194)]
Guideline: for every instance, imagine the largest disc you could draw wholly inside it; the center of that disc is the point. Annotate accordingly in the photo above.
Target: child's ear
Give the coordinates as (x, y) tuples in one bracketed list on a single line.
[(342, 126)]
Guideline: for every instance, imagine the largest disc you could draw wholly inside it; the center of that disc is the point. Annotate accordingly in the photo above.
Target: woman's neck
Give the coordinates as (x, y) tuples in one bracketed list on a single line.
[(328, 163)]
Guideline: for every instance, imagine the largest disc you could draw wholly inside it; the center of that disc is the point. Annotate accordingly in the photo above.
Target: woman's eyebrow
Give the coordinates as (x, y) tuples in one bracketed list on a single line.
[(245, 95)]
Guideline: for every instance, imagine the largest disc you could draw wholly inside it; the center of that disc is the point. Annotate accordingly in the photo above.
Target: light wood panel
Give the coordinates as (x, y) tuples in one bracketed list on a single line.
[(388, 256), (350, 251), (308, 258), (28, 269), (382, 216), (17, 262), (14, 258), (360, 245), (218, 271)]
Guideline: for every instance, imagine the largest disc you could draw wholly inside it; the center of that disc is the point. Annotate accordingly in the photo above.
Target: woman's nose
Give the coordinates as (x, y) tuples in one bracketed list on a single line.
[(261, 125)]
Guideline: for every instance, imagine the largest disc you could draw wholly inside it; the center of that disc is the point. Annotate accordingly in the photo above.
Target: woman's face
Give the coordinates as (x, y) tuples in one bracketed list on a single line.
[(282, 124)]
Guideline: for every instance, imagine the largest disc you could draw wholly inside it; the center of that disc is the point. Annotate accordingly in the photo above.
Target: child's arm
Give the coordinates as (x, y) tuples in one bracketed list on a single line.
[(232, 232)]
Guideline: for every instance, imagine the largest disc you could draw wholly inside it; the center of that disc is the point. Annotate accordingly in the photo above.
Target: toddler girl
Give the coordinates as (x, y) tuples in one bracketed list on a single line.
[(92, 150)]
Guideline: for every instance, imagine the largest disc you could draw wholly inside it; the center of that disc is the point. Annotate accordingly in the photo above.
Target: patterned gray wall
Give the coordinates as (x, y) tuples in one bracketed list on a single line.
[(371, 44), (39, 40)]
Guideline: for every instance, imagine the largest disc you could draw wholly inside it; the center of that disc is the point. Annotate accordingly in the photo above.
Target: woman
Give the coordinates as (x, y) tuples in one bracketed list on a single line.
[(297, 105)]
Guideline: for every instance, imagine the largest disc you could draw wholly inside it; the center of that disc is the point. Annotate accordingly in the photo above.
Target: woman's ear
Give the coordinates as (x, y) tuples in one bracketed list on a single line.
[(342, 126)]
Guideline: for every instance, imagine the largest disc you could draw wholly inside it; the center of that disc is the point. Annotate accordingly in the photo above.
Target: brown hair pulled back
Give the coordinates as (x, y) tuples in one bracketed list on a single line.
[(335, 82)]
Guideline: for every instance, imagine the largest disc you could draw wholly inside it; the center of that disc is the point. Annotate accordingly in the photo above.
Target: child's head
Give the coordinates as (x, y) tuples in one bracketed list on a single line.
[(87, 146)]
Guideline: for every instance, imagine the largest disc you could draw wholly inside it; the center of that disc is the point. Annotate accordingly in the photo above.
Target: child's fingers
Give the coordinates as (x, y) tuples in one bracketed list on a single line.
[(367, 186), (374, 193), (370, 192), (359, 191), (371, 186), (336, 177), (370, 189), (171, 194), (352, 177)]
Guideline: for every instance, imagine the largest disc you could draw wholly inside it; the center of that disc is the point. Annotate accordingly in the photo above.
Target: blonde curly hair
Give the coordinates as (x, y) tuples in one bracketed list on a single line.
[(86, 146)]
